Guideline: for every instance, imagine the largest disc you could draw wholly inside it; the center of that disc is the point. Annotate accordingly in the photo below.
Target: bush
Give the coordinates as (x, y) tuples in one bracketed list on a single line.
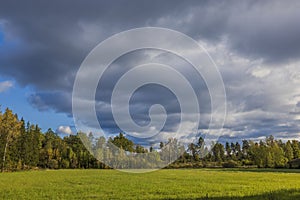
[(53, 164), (247, 162), (230, 164), (65, 164)]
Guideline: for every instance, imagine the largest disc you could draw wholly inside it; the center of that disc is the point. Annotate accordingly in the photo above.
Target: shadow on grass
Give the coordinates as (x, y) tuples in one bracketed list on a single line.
[(292, 194), (263, 170)]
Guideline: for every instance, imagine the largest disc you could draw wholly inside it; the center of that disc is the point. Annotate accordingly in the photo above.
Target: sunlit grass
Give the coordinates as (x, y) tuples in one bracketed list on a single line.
[(162, 184)]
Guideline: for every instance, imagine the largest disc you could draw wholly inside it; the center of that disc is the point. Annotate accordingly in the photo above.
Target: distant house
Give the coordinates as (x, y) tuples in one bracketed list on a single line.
[(295, 163)]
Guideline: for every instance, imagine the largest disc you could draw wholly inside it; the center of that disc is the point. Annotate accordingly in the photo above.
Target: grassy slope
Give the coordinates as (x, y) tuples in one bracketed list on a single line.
[(163, 184)]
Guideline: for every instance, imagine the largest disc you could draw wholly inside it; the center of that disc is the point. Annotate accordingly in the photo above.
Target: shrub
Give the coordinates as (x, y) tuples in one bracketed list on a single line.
[(53, 164), (230, 164)]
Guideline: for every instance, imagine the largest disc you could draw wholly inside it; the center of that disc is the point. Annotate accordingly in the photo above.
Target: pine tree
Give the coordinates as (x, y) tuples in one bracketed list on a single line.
[(228, 149), (296, 150), (245, 149)]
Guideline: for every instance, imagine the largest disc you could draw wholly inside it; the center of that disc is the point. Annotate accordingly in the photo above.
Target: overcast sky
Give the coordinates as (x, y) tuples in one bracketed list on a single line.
[(255, 44)]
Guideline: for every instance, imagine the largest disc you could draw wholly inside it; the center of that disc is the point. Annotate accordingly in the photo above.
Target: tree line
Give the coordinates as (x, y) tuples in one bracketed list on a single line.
[(24, 146)]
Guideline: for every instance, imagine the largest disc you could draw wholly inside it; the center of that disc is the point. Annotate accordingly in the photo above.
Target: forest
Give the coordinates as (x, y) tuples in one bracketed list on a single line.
[(24, 146)]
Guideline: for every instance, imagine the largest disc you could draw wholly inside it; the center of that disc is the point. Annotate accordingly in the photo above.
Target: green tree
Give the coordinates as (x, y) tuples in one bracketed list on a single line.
[(296, 150), (218, 152), (238, 151), (245, 148), (122, 141), (192, 149), (279, 158), (289, 154), (9, 130), (228, 149)]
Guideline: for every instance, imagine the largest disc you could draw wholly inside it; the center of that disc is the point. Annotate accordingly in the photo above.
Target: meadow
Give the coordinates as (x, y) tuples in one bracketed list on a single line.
[(162, 184)]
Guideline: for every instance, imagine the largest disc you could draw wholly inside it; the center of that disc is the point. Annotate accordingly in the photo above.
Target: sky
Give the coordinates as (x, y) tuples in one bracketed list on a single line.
[(255, 44)]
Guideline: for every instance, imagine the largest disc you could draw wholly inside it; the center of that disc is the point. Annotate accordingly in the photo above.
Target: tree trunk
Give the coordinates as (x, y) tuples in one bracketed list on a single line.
[(4, 154)]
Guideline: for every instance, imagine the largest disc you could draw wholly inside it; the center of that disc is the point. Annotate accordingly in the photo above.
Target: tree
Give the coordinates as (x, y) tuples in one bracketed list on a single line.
[(270, 140), (218, 152), (269, 159), (228, 149), (9, 130), (245, 148), (99, 150), (151, 149), (258, 153), (23, 146), (233, 150), (201, 149), (122, 142), (279, 158), (289, 154), (161, 145), (238, 151), (193, 151), (140, 149), (296, 150)]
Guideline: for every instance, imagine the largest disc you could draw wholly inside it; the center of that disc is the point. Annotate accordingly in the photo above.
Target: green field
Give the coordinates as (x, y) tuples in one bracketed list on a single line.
[(162, 184)]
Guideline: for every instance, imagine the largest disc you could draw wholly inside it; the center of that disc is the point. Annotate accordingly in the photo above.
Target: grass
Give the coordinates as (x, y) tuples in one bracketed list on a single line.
[(163, 184)]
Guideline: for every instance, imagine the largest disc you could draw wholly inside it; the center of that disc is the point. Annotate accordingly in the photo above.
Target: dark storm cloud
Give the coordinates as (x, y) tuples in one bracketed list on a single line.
[(257, 29), (54, 37), (45, 43), (57, 101), (148, 95)]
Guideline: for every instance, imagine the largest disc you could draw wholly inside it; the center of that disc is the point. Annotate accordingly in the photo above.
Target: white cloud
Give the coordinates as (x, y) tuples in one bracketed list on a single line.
[(5, 85), (64, 130), (260, 72)]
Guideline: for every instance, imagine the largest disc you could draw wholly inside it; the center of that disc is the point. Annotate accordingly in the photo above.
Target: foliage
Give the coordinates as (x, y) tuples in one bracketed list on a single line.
[(26, 147), (230, 164)]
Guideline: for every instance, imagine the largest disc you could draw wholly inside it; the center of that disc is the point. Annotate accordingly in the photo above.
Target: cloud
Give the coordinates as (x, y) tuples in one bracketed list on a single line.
[(57, 101), (47, 51), (260, 72), (248, 27), (64, 130), (255, 45), (5, 85)]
